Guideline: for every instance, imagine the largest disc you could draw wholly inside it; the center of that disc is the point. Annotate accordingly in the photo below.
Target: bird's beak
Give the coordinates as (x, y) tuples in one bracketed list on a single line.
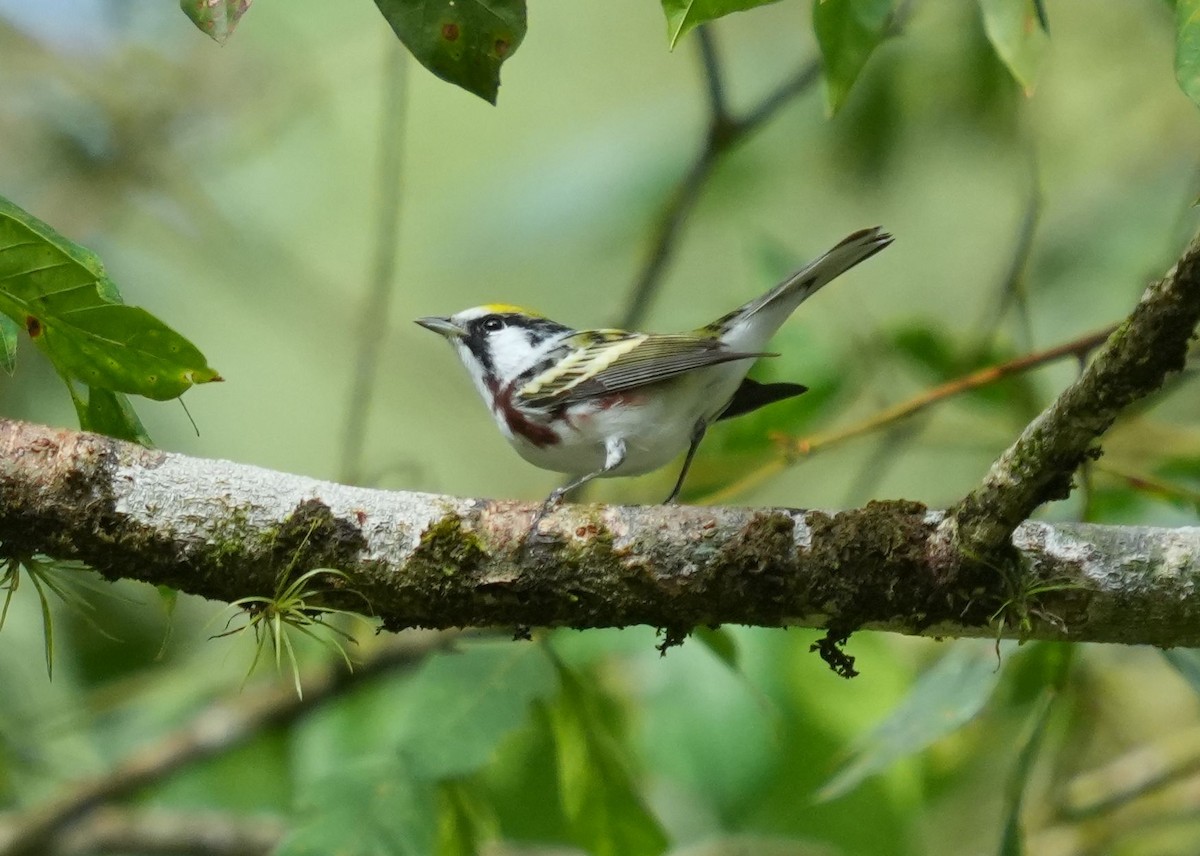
[(442, 326)]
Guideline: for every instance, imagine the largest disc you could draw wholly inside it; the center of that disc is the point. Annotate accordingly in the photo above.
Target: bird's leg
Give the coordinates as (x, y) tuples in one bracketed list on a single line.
[(697, 436), (614, 456)]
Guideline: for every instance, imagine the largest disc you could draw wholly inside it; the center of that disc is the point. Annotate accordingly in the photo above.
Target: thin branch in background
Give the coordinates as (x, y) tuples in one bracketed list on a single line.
[(171, 833), (373, 317), (1013, 291), (718, 108), (1150, 484), (725, 133), (795, 448), (1132, 776), (1087, 493), (215, 730)]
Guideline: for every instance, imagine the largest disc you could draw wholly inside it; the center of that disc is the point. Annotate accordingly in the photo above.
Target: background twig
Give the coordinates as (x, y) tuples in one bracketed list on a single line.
[(795, 448), (1038, 467), (160, 832), (214, 730), (373, 318), (725, 133)]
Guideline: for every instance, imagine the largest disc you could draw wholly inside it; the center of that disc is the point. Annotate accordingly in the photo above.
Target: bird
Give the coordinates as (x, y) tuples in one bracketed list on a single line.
[(605, 402)]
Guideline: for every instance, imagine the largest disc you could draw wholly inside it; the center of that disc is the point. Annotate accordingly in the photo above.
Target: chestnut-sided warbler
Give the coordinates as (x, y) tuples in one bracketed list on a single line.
[(593, 403)]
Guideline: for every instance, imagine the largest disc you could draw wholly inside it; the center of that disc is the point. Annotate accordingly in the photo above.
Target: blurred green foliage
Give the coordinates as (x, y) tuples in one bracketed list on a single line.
[(234, 194)]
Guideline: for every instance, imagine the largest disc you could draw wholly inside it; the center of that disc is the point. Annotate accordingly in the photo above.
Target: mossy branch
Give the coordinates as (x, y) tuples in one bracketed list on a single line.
[(1038, 467), (223, 530)]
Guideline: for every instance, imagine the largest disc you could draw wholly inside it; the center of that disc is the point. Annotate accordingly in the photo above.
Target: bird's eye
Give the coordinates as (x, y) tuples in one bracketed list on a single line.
[(493, 323)]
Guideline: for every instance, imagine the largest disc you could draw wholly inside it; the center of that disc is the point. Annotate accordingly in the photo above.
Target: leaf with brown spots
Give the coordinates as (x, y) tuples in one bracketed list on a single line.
[(74, 314), (462, 41)]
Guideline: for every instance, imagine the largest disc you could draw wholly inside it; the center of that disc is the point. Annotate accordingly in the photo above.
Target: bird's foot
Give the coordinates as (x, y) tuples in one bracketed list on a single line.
[(533, 535)]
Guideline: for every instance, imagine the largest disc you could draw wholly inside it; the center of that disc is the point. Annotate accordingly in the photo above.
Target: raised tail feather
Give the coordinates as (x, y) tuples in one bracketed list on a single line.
[(807, 281)]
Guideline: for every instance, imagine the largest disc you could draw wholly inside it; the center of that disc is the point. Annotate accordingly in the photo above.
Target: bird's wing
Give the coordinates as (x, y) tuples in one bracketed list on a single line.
[(598, 362)]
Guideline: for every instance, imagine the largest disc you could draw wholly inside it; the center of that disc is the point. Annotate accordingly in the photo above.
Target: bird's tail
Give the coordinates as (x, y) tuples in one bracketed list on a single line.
[(805, 282)]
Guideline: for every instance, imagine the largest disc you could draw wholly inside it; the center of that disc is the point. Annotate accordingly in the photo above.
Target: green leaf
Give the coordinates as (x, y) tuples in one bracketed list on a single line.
[(465, 820), (459, 707), (929, 348), (1015, 30), (47, 624), (462, 41), (1186, 661), (1012, 843), (111, 413), (215, 18), (368, 808), (9, 329), (1187, 47), (72, 311), (598, 794), (721, 643), (848, 31), (1039, 8), (942, 700), (686, 15)]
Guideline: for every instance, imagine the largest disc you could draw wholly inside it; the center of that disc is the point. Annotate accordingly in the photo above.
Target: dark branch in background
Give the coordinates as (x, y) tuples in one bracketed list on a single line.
[(725, 133), (1012, 286), (162, 832), (1039, 466), (214, 730), (373, 318), (718, 108), (797, 448)]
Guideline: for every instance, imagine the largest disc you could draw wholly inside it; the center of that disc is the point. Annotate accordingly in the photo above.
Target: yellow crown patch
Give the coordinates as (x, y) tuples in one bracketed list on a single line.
[(508, 308)]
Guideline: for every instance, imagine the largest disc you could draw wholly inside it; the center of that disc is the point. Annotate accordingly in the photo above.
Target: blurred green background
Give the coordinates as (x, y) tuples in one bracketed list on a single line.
[(234, 192)]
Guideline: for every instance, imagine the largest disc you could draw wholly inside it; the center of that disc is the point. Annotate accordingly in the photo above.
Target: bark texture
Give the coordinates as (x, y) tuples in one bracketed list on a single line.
[(225, 530), (1151, 343)]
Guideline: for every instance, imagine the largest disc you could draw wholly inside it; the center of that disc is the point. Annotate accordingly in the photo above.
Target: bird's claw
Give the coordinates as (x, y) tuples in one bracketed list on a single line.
[(535, 536)]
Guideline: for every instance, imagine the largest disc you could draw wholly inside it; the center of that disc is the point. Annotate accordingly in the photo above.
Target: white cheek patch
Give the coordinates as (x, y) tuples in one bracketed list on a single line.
[(514, 349)]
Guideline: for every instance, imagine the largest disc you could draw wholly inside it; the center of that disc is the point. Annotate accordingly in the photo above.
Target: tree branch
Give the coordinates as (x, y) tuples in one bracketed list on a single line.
[(1038, 467), (171, 833), (227, 530)]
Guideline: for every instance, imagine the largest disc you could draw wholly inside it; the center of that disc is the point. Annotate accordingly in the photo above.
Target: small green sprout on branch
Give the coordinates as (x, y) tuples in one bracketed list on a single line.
[(295, 605), (47, 576)]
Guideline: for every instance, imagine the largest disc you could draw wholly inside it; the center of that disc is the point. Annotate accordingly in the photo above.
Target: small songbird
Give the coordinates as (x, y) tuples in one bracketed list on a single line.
[(593, 403)]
